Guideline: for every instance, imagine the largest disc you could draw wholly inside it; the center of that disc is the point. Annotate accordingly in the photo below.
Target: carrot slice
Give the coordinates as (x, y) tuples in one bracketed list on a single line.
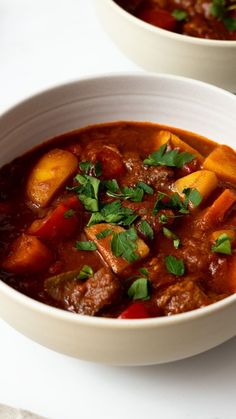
[(218, 210)]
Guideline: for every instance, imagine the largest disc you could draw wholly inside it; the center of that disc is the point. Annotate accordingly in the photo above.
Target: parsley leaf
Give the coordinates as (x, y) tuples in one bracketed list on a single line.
[(172, 158), (88, 191), (174, 265), (217, 9), (230, 23), (124, 245), (104, 234), (170, 235), (174, 201), (193, 196), (113, 213), (69, 213), (112, 185), (147, 189), (88, 166), (179, 14), (85, 166), (86, 272), (146, 229), (89, 245), (139, 290), (223, 245), (134, 194)]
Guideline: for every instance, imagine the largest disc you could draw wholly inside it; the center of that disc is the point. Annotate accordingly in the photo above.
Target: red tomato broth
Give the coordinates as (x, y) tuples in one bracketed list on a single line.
[(205, 279)]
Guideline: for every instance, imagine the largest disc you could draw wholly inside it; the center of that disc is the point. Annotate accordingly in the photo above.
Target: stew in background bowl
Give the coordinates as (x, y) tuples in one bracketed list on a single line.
[(208, 19)]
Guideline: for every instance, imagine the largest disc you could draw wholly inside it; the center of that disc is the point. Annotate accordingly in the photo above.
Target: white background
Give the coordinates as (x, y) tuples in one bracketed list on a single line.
[(42, 43)]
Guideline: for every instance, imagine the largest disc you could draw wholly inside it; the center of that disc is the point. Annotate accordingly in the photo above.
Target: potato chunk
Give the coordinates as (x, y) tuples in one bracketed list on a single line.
[(166, 136), (28, 255), (49, 174), (222, 161), (202, 180), (118, 264)]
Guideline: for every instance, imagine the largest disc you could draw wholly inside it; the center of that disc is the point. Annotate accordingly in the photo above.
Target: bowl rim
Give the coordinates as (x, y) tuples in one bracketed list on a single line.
[(172, 35), (104, 322)]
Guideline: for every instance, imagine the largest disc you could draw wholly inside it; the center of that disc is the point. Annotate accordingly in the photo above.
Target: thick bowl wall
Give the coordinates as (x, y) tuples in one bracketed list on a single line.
[(167, 100), (162, 51)]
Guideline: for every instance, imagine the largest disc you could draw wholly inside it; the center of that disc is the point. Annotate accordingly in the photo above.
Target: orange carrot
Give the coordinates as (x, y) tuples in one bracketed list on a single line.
[(218, 210)]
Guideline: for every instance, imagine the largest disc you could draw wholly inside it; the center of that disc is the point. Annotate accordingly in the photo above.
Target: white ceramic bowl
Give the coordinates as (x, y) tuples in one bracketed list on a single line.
[(162, 51), (169, 100)]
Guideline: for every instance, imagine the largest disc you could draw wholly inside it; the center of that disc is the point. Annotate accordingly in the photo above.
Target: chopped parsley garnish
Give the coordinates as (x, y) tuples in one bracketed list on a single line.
[(174, 265), (172, 236), (133, 194), (88, 166), (146, 229), (139, 290), (113, 213), (220, 11), (192, 196), (104, 234), (179, 14), (87, 191), (69, 213), (86, 245), (112, 185), (176, 243), (174, 201), (223, 245), (172, 158), (85, 166), (147, 189), (163, 218), (86, 272), (144, 272), (230, 23), (124, 245)]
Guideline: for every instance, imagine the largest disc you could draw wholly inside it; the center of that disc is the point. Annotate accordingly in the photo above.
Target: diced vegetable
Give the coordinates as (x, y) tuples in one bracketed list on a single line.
[(231, 274), (164, 137), (218, 210), (118, 264), (62, 222), (49, 174), (28, 255), (222, 161), (136, 310), (203, 180), (217, 234)]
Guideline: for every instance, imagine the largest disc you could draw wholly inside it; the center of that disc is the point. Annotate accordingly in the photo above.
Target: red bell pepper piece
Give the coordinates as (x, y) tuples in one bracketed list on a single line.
[(57, 224), (160, 18), (136, 310)]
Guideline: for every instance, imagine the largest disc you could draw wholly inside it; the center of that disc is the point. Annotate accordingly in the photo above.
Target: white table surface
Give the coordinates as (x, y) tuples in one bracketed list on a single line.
[(42, 43)]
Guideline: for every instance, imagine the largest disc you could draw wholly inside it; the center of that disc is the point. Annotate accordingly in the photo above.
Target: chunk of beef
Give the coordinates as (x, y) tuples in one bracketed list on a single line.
[(196, 254), (181, 297), (159, 177), (89, 297), (145, 211)]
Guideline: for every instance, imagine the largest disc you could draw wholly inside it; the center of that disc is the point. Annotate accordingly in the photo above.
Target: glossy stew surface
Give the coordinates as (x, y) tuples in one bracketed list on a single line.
[(129, 220)]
